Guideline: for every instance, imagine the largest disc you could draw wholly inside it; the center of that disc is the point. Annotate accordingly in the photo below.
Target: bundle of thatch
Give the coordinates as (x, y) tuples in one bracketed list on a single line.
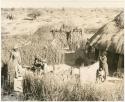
[(76, 41), (43, 33), (68, 34), (111, 36), (54, 52)]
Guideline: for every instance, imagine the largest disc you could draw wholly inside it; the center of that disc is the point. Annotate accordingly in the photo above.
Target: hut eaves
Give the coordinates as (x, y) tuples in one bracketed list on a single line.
[(110, 36)]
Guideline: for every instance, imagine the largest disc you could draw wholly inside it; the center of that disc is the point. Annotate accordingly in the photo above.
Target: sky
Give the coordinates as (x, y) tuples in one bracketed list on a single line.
[(61, 3)]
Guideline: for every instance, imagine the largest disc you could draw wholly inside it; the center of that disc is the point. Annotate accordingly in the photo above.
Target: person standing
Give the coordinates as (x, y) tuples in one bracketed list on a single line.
[(14, 65), (103, 63)]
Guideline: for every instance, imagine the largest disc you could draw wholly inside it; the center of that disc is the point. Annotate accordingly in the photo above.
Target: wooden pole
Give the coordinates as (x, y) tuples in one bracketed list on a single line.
[(9, 83), (79, 76)]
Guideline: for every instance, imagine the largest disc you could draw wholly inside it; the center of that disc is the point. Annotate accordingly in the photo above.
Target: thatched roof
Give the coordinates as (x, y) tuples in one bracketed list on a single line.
[(110, 36)]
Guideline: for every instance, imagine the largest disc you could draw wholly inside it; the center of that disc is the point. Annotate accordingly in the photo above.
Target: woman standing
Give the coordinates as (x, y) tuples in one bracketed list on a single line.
[(14, 65), (103, 63)]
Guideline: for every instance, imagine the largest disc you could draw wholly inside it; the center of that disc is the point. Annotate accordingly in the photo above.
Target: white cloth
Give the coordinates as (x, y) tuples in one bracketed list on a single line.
[(18, 84), (102, 73), (16, 60), (19, 71)]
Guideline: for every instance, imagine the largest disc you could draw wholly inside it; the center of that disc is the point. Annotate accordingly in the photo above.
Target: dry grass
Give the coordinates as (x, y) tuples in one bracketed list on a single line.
[(110, 36), (60, 87), (43, 45), (56, 87)]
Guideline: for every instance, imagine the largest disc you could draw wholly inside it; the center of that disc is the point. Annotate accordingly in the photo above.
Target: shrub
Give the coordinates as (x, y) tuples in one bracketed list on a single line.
[(34, 14)]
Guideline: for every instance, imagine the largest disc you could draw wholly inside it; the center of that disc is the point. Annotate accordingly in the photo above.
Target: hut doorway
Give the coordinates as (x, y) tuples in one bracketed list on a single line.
[(112, 60), (120, 67)]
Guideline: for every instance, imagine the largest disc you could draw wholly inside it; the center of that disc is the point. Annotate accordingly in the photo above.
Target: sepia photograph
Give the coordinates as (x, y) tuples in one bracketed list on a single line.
[(62, 53)]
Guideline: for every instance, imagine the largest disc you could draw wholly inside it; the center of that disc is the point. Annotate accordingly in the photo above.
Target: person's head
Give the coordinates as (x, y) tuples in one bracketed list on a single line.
[(35, 59), (104, 53), (100, 69), (37, 56), (15, 48)]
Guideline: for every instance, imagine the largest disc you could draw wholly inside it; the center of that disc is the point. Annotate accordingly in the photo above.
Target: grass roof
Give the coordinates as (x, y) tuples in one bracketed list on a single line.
[(110, 36)]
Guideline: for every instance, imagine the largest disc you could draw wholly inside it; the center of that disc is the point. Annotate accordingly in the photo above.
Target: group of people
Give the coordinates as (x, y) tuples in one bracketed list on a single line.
[(15, 69), (39, 65), (102, 72)]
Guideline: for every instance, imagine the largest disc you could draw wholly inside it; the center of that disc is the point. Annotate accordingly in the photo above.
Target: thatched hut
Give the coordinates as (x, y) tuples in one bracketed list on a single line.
[(110, 37)]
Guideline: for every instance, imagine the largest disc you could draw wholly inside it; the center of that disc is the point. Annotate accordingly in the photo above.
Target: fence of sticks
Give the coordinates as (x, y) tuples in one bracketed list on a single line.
[(70, 36), (51, 50)]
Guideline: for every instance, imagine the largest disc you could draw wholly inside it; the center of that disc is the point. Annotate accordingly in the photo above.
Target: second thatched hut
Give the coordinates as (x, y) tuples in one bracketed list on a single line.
[(110, 37)]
